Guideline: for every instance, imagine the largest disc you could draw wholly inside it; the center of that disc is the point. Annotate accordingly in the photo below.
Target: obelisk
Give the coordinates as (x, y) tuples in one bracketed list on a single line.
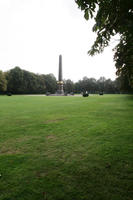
[(60, 77)]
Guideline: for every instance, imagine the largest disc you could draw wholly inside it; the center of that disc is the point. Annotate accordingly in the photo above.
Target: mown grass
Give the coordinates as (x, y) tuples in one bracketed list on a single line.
[(71, 148)]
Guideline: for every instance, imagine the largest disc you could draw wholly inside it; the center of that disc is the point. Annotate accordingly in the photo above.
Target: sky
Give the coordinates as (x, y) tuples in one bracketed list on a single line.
[(33, 33)]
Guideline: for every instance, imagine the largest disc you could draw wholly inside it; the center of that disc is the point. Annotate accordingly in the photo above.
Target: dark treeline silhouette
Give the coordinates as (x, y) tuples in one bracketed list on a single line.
[(92, 86), (19, 81)]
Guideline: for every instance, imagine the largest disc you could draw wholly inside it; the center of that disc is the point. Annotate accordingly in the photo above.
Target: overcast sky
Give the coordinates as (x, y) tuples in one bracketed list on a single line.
[(34, 32)]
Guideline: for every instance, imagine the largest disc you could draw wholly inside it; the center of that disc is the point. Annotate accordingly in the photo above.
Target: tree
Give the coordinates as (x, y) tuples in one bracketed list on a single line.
[(101, 84), (95, 86), (109, 87), (68, 86), (24, 82), (51, 83), (3, 82), (15, 80), (77, 87), (112, 17)]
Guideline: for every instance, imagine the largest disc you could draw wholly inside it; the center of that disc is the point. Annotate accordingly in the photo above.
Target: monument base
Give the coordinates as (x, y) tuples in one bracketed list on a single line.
[(64, 94), (60, 92), (56, 94)]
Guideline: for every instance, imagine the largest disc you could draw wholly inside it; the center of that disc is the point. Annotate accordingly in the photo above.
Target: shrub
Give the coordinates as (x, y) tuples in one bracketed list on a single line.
[(100, 93), (47, 93), (9, 94), (85, 94)]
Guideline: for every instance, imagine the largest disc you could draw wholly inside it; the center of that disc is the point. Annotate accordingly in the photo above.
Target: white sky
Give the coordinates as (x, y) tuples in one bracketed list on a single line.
[(34, 32)]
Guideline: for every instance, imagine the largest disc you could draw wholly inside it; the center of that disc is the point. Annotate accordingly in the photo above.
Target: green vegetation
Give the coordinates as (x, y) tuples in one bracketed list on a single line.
[(70, 148), (109, 17), (3, 82), (19, 81)]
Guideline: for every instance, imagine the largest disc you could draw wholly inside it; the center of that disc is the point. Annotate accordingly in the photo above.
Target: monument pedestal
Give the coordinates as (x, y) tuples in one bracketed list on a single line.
[(60, 88)]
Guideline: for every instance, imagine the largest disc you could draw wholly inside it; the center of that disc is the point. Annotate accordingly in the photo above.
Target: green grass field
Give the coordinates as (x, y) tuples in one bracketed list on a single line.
[(66, 148)]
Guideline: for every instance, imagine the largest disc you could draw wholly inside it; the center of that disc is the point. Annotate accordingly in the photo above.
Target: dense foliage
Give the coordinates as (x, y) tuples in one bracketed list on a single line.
[(23, 82), (18, 81), (93, 86), (3, 82), (113, 17)]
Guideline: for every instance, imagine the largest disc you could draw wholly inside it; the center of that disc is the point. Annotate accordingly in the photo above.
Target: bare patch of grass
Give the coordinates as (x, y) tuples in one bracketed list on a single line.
[(41, 174), (51, 137), (9, 151), (54, 120)]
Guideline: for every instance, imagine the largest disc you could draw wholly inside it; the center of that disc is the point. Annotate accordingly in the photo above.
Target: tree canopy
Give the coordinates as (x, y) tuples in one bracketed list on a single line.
[(3, 82), (19, 81), (112, 17)]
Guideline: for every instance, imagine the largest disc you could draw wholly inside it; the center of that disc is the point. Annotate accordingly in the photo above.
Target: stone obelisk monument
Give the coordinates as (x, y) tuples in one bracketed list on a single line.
[(60, 78)]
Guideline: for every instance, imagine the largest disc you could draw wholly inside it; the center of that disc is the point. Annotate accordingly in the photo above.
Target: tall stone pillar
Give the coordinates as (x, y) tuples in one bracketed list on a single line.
[(60, 77)]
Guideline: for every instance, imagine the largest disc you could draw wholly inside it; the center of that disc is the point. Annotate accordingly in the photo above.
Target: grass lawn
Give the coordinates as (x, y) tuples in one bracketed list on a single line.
[(66, 148)]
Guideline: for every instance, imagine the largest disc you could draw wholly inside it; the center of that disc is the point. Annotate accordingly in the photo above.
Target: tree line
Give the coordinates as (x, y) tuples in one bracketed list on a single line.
[(19, 81), (93, 86)]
